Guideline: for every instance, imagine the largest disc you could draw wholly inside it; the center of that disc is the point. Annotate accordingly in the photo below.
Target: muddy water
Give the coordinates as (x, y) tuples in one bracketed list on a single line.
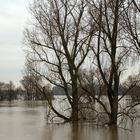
[(26, 121)]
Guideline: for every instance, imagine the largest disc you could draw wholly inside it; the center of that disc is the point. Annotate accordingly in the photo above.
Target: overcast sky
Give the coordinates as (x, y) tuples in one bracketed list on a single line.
[(13, 19)]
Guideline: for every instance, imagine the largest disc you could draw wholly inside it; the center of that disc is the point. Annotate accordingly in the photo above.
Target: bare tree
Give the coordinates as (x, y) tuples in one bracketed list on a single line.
[(111, 50), (10, 88), (32, 82), (1, 90), (60, 41), (131, 28)]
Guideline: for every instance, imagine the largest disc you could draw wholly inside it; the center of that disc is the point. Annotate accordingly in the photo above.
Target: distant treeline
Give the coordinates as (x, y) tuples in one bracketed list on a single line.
[(8, 91), (31, 91)]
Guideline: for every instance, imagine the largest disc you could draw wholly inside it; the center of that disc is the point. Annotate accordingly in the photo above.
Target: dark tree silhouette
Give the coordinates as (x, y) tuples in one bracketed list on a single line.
[(60, 41)]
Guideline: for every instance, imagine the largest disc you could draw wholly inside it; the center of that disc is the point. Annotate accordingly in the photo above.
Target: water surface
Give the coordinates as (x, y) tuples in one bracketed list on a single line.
[(27, 121)]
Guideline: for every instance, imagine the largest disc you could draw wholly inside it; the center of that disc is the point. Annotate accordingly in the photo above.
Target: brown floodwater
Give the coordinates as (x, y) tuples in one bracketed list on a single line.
[(27, 121)]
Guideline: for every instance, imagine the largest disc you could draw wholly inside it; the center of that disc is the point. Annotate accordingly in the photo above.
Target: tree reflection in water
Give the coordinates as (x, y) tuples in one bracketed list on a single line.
[(113, 131), (75, 132)]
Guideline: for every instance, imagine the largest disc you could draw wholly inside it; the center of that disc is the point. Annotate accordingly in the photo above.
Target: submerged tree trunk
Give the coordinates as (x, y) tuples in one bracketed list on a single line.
[(75, 110), (113, 101), (113, 114), (74, 115)]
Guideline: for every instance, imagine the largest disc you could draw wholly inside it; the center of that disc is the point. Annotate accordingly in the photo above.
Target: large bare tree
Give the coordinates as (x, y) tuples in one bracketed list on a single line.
[(132, 27), (111, 49), (59, 39)]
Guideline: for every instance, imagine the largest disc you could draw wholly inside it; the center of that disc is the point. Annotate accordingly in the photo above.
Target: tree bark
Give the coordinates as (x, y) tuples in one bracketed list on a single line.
[(75, 110)]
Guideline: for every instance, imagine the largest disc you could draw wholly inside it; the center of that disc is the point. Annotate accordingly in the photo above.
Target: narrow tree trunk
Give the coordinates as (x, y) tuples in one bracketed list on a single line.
[(114, 109), (74, 115), (113, 114)]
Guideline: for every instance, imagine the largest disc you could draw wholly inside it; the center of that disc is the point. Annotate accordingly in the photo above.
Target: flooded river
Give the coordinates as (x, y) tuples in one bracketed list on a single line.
[(27, 121)]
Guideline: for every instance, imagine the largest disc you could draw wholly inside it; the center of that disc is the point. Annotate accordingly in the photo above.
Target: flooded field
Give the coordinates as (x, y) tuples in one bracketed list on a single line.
[(27, 121)]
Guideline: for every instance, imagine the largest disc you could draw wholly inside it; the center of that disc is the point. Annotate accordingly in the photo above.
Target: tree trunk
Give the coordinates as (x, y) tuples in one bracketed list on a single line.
[(113, 114), (74, 115), (114, 109)]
